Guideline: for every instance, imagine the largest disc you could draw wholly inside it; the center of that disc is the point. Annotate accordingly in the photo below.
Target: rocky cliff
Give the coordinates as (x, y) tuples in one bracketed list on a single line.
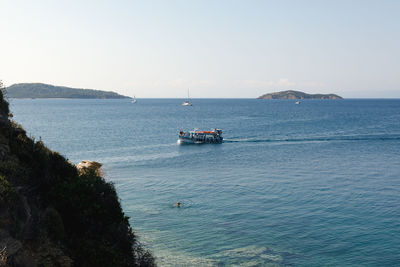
[(51, 214)]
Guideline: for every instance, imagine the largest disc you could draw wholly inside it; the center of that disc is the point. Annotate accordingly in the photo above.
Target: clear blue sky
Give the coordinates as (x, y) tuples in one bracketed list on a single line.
[(216, 48)]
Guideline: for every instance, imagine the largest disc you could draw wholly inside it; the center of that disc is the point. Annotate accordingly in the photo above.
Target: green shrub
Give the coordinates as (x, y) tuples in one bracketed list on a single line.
[(3, 104), (12, 168), (7, 192), (54, 224)]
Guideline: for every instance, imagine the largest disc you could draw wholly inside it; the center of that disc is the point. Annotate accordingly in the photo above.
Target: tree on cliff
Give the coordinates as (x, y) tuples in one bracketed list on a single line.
[(3, 90)]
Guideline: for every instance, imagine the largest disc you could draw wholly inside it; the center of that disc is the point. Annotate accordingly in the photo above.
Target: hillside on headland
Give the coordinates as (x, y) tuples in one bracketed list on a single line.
[(53, 214), (41, 90), (297, 95)]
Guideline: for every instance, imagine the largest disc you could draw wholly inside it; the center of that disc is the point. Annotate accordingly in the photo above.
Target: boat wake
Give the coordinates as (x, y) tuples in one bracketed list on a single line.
[(370, 137)]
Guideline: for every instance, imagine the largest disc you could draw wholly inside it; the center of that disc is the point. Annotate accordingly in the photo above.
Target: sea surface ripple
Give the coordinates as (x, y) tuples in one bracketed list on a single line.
[(315, 184)]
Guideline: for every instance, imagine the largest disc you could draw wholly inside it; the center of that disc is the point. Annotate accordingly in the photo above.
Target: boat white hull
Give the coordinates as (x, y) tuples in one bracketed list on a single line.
[(187, 141)]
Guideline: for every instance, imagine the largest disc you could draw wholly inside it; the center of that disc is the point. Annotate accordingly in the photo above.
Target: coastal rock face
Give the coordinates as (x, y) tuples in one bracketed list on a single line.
[(87, 166), (52, 214), (297, 95)]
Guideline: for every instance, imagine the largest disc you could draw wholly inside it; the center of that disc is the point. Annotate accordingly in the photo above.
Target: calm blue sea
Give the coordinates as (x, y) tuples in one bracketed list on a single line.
[(315, 184)]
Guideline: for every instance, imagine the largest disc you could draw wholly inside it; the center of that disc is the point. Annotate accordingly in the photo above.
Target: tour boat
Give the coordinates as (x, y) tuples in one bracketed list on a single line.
[(200, 137)]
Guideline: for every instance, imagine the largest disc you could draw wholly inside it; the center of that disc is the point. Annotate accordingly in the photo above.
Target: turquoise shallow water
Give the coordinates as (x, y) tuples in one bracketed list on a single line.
[(306, 185)]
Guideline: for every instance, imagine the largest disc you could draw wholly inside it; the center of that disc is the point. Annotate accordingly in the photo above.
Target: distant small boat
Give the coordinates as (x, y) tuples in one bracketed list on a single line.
[(187, 102), (297, 102), (134, 99)]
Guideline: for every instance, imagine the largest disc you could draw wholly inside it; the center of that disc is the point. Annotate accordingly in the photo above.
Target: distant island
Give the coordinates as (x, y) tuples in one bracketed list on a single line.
[(41, 90), (298, 95)]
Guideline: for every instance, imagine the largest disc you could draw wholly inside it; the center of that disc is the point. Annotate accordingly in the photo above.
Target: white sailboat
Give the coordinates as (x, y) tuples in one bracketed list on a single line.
[(187, 102), (134, 99)]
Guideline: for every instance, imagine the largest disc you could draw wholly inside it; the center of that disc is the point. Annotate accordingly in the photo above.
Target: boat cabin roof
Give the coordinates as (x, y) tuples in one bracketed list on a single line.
[(206, 132)]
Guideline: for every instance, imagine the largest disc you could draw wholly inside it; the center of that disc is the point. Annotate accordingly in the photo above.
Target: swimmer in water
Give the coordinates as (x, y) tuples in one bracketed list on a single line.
[(177, 204)]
